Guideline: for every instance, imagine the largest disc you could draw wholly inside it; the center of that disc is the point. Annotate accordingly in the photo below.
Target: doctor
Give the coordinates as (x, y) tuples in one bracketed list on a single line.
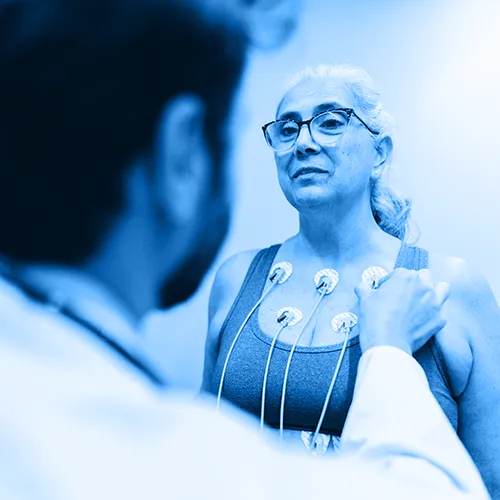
[(114, 199)]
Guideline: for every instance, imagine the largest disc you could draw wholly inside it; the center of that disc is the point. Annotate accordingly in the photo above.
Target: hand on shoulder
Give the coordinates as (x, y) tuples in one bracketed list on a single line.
[(404, 311)]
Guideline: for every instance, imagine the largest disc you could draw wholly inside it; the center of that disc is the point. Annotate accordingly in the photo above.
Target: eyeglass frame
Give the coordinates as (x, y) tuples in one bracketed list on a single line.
[(300, 123)]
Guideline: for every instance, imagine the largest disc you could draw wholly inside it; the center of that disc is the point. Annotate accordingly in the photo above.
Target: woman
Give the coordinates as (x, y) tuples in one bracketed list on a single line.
[(332, 146)]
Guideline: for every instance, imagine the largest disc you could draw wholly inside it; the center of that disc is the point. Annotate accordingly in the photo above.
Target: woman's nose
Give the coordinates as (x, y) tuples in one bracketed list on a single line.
[(305, 144)]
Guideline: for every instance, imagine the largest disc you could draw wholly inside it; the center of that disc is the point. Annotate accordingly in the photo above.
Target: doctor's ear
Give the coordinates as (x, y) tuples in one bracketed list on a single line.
[(183, 169), (384, 149)]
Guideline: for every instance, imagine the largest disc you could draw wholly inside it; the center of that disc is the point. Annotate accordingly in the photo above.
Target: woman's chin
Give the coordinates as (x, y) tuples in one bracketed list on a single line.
[(309, 197)]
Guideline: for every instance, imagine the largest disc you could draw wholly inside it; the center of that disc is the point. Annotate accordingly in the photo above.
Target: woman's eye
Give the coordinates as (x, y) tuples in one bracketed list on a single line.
[(331, 123), (288, 130)]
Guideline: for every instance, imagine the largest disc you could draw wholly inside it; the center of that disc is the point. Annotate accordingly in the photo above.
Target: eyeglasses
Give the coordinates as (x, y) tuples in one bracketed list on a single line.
[(325, 129)]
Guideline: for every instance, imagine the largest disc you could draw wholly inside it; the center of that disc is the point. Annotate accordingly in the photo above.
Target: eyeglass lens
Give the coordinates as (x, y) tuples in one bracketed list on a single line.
[(325, 129)]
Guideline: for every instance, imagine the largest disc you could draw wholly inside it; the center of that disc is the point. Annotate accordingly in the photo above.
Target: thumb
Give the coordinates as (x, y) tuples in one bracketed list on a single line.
[(442, 289), (366, 287), (363, 289)]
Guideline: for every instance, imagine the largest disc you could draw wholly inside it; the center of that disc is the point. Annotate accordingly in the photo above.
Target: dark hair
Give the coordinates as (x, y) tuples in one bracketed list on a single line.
[(82, 87)]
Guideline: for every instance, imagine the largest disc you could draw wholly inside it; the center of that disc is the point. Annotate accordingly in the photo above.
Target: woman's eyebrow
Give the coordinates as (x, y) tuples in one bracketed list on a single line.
[(290, 115), (326, 106)]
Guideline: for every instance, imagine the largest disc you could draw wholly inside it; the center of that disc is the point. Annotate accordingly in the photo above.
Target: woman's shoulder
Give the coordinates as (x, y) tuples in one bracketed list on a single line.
[(229, 279), (471, 298), (235, 267), (466, 281), (471, 312)]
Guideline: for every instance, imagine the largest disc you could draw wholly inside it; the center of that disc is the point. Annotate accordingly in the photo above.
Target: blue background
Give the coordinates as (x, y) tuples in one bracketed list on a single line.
[(436, 65)]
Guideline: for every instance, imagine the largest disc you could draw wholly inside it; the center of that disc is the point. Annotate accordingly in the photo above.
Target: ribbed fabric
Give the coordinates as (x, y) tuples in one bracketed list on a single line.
[(311, 368)]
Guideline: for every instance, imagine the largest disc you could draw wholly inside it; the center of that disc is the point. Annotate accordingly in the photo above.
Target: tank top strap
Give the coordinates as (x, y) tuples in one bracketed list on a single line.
[(416, 258), (252, 286), (412, 257), (258, 272)]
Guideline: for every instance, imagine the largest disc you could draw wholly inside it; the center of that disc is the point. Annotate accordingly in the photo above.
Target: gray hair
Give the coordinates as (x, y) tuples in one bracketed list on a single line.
[(390, 210)]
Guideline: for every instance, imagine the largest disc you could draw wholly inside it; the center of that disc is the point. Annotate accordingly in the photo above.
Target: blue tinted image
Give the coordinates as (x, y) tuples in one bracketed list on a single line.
[(247, 249)]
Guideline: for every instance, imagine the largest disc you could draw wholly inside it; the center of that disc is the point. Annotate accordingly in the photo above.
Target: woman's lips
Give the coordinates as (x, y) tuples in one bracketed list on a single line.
[(308, 170)]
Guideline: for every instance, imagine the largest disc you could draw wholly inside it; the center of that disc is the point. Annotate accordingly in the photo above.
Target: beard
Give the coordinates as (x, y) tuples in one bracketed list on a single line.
[(184, 283)]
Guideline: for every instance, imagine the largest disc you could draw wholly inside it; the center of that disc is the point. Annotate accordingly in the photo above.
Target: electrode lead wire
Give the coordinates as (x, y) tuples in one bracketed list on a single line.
[(289, 361), (288, 321), (276, 278)]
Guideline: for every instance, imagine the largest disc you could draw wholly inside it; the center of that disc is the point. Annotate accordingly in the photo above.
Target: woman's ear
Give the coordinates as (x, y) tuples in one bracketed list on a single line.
[(183, 167), (383, 149)]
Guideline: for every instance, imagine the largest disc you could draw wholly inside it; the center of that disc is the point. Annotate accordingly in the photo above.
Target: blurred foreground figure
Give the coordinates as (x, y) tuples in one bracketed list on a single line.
[(114, 201)]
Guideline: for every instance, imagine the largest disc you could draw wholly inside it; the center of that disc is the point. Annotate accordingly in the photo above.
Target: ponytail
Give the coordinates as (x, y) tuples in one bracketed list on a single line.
[(390, 210)]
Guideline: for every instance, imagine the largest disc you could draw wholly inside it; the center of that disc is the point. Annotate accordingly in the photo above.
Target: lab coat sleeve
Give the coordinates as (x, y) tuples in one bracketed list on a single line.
[(396, 425)]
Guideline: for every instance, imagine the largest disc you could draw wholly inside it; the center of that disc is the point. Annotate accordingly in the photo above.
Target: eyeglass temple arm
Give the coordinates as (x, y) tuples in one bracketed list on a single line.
[(349, 111), (374, 132)]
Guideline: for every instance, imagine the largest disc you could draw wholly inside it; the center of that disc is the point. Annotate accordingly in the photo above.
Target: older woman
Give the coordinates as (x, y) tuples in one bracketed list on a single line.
[(283, 341)]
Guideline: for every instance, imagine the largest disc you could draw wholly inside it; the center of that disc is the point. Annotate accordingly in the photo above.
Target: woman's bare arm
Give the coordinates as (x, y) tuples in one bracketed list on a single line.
[(227, 284), (471, 347)]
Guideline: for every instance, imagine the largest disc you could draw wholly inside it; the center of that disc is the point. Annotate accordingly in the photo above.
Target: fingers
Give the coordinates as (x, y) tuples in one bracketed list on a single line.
[(425, 278), (367, 287), (440, 325), (382, 280), (442, 290), (363, 289), (398, 276)]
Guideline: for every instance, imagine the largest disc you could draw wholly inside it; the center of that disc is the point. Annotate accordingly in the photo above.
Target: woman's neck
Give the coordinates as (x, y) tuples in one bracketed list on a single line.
[(341, 235)]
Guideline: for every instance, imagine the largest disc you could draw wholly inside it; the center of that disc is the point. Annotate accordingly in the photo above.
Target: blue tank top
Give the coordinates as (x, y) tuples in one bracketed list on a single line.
[(311, 368)]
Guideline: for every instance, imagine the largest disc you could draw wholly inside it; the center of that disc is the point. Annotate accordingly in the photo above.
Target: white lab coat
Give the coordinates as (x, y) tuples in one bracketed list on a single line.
[(76, 422)]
